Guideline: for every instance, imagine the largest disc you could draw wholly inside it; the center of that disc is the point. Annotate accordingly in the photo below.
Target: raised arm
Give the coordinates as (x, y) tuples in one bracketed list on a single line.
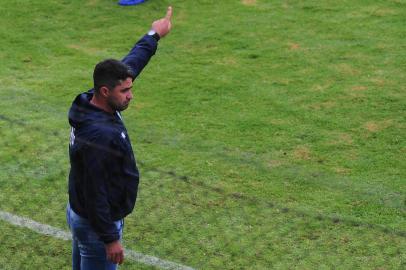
[(145, 48)]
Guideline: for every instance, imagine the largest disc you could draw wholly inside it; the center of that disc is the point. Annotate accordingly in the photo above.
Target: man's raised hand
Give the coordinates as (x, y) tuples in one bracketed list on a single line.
[(163, 26)]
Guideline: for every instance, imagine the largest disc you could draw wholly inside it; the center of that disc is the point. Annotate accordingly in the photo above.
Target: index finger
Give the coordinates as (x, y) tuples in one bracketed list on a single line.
[(169, 13)]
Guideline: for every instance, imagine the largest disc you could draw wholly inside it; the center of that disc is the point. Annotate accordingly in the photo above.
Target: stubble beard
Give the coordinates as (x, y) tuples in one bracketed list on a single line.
[(117, 107)]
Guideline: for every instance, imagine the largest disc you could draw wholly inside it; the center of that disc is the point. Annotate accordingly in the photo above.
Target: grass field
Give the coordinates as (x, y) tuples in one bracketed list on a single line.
[(269, 134)]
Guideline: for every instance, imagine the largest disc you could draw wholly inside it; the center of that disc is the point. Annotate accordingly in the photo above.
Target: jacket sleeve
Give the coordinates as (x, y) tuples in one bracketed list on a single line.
[(97, 157), (140, 54)]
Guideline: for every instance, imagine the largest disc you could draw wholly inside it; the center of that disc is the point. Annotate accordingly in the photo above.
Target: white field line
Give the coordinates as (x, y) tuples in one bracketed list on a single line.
[(64, 235)]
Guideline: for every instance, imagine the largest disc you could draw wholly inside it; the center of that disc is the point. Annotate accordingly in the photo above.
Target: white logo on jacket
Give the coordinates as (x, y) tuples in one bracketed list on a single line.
[(72, 136)]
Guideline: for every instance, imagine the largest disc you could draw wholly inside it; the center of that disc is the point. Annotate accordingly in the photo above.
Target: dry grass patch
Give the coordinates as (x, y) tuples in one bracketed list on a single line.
[(301, 152), (346, 69), (249, 2), (381, 12), (274, 163), (341, 138), (83, 49), (378, 81), (322, 87), (373, 126), (359, 88), (323, 105), (344, 138), (92, 2), (294, 46), (341, 170), (228, 61)]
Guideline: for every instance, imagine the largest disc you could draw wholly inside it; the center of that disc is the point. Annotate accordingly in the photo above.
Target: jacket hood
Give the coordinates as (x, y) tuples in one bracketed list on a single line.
[(83, 112)]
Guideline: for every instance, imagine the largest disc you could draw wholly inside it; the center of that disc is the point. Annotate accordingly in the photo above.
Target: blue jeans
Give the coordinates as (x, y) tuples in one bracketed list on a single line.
[(88, 251)]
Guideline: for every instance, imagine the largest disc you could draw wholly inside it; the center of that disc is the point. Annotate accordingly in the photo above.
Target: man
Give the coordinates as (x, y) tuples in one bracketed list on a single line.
[(103, 179)]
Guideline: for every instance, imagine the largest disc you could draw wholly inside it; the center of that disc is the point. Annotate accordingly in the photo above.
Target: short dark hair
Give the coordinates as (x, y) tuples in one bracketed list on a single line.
[(109, 73)]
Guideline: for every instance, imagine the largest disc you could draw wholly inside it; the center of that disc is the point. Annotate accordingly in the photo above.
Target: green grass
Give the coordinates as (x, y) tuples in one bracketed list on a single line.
[(269, 134), (23, 249)]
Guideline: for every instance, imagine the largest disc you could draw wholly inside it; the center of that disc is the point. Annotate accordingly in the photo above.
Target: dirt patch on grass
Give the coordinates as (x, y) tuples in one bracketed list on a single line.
[(344, 171), (346, 69), (345, 138), (249, 2), (302, 152), (359, 88), (322, 87), (373, 126), (140, 105), (277, 122), (323, 105), (228, 61), (341, 138), (381, 12), (294, 46), (92, 2), (274, 163), (86, 50), (378, 81)]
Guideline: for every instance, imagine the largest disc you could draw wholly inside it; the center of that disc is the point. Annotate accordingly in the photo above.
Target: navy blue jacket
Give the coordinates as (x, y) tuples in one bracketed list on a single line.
[(103, 179)]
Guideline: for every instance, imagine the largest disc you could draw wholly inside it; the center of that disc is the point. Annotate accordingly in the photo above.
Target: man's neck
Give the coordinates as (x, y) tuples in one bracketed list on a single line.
[(101, 104)]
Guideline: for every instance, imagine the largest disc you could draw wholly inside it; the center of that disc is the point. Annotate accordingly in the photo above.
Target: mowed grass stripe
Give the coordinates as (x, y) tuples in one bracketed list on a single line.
[(227, 194), (191, 181), (64, 235), (271, 133), (196, 183)]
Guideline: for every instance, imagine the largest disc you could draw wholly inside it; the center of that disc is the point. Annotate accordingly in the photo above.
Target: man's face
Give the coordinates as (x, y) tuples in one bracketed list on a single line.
[(121, 95)]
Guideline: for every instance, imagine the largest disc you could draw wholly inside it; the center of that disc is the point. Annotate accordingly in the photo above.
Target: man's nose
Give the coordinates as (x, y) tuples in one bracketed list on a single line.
[(130, 95)]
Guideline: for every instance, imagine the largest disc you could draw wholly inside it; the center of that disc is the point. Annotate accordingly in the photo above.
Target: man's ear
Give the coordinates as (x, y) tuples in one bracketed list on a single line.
[(104, 91)]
